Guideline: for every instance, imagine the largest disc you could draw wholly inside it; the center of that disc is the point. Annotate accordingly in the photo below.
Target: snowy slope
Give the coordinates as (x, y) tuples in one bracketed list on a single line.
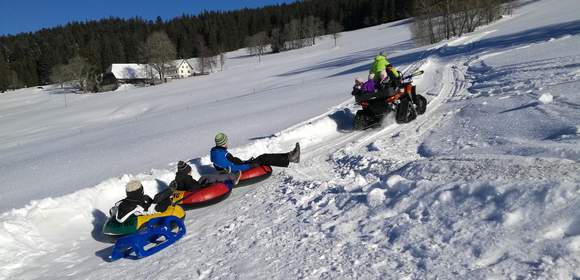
[(484, 185), (150, 127)]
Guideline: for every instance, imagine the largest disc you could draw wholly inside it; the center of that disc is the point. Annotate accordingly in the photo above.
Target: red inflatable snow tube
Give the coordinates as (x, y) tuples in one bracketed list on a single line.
[(207, 195), (255, 175)]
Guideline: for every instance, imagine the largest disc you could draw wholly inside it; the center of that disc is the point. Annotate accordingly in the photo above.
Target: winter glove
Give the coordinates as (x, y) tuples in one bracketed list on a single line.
[(113, 211), (227, 170), (162, 205), (152, 209)]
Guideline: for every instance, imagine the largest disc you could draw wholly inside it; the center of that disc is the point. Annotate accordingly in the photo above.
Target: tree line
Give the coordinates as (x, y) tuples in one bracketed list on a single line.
[(39, 58), (436, 20)]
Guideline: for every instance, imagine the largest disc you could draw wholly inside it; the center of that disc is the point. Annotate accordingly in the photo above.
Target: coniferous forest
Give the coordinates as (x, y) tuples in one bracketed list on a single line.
[(28, 59)]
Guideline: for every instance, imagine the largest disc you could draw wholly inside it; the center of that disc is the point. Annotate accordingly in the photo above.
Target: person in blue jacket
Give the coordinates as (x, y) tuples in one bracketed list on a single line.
[(223, 160)]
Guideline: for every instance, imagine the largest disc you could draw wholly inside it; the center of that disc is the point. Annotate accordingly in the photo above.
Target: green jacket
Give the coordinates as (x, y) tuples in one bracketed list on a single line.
[(379, 65)]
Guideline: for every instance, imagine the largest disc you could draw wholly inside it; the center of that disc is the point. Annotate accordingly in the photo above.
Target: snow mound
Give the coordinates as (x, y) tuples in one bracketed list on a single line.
[(546, 98), (125, 87)]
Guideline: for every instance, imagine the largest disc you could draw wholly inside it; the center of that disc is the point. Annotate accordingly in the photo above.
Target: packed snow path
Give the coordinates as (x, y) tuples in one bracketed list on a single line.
[(484, 185)]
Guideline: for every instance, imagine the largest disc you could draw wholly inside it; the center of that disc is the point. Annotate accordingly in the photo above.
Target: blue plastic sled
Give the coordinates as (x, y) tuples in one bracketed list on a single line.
[(158, 234)]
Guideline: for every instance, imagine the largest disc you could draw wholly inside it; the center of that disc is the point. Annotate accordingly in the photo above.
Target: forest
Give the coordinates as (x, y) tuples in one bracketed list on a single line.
[(41, 57), (28, 59)]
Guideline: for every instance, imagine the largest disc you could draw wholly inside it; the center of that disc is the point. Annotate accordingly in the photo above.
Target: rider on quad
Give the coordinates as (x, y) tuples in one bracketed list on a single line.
[(384, 78), (390, 92), (382, 64)]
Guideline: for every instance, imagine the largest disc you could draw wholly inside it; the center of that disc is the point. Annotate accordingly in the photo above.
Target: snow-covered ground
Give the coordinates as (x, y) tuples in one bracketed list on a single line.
[(484, 185)]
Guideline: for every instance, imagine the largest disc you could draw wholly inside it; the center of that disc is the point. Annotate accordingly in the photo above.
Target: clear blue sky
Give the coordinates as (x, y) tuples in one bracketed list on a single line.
[(31, 15)]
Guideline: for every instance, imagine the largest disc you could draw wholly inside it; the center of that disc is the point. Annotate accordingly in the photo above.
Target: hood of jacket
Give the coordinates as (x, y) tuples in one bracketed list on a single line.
[(379, 58)]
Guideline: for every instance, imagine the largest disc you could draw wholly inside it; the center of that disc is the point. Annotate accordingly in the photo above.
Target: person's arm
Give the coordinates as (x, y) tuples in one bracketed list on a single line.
[(123, 213), (147, 200), (392, 72), (234, 159), (223, 160), (192, 183), (187, 183)]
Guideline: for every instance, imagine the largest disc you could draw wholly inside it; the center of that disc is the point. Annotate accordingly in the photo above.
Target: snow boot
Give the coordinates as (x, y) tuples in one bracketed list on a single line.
[(238, 175), (294, 156)]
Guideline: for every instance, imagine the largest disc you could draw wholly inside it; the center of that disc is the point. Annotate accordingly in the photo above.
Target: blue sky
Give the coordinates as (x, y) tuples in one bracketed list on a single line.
[(31, 15)]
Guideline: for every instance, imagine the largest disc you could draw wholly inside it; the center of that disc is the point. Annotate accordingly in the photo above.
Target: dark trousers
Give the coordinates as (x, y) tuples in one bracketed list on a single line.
[(280, 160)]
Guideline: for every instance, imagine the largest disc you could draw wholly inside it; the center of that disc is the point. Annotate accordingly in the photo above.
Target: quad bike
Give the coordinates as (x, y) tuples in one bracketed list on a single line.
[(402, 99)]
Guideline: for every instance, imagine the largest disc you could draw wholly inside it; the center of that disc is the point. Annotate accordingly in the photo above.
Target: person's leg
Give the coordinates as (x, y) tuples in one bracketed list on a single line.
[(280, 160), (214, 178)]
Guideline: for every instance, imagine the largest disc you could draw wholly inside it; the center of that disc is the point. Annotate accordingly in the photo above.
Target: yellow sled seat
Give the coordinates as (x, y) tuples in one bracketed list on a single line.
[(176, 211), (177, 196), (133, 224)]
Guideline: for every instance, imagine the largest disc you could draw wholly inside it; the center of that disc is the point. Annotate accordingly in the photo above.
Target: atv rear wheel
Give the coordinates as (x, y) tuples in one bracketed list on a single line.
[(363, 120), (405, 111), (421, 103)]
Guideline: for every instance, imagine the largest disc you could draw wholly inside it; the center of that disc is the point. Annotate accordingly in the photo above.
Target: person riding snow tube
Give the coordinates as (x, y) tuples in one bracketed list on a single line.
[(131, 213), (208, 195), (261, 166), (210, 188)]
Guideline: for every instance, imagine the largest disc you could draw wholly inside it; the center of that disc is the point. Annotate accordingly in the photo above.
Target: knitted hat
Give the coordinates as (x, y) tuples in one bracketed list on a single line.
[(133, 185), (221, 140), (183, 167)]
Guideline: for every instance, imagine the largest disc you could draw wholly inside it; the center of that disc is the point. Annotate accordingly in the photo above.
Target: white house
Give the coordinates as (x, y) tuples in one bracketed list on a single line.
[(182, 69), (133, 73)]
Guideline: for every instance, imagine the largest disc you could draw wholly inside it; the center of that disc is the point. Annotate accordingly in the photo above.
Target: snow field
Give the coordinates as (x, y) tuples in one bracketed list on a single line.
[(484, 185)]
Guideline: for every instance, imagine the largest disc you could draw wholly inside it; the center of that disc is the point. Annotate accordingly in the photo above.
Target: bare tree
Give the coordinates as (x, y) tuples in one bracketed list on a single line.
[(212, 62), (313, 28), (257, 44), (423, 28), (80, 69), (207, 63), (222, 60), (277, 40), (334, 28), (294, 34), (9, 79), (60, 75), (204, 61), (436, 20), (159, 52), (77, 71)]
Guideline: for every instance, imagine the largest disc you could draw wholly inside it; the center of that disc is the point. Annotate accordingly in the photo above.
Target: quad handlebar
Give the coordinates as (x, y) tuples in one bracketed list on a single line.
[(414, 74)]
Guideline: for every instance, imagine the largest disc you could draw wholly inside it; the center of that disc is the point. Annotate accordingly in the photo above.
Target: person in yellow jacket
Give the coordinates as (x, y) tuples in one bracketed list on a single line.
[(382, 64)]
